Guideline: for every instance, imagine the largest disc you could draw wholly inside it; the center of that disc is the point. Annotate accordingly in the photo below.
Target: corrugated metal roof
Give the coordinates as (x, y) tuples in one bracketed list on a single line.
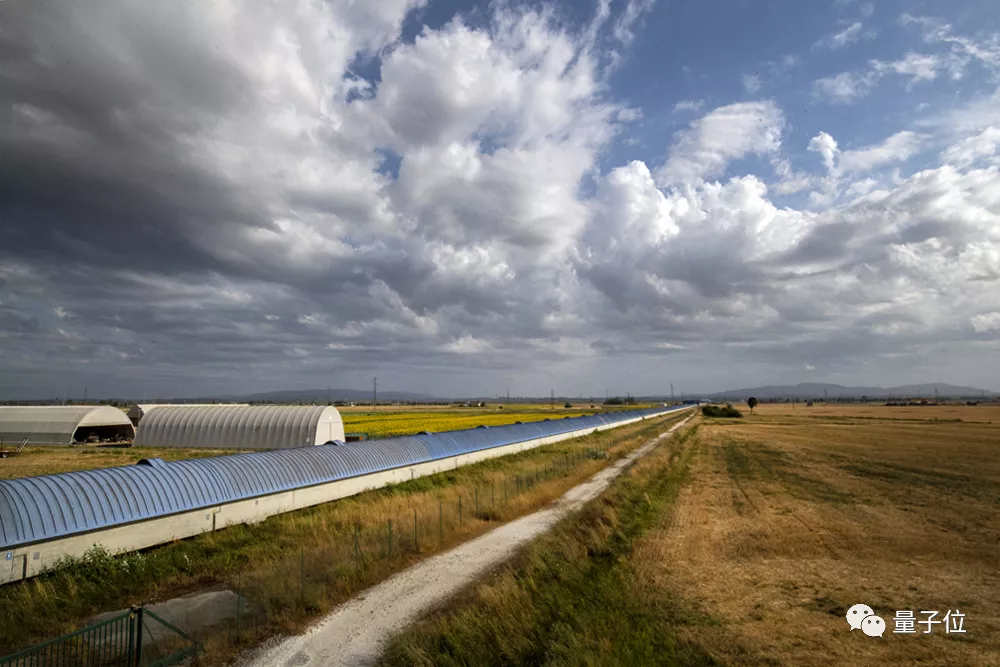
[(55, 424), (240, 426), (138, 410), (34, 509)]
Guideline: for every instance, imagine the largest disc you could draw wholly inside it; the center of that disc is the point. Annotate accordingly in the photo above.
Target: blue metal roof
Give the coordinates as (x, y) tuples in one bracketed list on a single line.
[(34, 509)]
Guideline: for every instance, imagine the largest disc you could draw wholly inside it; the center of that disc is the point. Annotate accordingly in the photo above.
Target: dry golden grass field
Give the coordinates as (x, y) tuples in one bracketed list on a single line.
[(746, 541), (795, 514)]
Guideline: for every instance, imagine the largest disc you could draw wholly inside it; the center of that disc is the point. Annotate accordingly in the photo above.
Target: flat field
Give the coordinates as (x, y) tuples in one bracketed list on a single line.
[(781, 522), (407, 422)]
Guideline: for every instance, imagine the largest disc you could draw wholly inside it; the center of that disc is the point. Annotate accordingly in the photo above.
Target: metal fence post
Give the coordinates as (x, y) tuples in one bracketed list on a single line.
[(416, 547), (493, 494), (129, 641), (505, 490), (390, 538), (460, 511), (441, 519), (138, 639), (477, 500), (357, 547)]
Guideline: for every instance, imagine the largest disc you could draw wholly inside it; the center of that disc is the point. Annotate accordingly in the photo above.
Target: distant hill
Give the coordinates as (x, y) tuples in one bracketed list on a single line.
[(818, 390), (334, 394)]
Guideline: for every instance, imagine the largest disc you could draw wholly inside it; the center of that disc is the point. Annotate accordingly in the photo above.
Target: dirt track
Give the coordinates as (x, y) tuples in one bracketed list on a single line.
[(355, 633)]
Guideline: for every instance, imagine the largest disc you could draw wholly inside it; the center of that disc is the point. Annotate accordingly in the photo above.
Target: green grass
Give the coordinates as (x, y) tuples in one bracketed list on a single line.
[(573, 597)]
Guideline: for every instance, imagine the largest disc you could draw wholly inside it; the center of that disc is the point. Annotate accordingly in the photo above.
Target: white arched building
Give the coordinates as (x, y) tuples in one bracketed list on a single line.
[(240, 427), (63, 424)]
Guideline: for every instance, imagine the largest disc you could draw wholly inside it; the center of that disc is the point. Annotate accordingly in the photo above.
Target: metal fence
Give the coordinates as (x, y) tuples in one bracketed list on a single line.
[(135, 638)]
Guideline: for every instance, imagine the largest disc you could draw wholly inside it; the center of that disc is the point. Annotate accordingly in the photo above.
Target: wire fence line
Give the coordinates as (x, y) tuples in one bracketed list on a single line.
[(282, 598)]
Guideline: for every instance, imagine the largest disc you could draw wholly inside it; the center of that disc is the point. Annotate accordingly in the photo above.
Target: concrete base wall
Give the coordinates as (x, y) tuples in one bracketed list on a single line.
[(28, 561)]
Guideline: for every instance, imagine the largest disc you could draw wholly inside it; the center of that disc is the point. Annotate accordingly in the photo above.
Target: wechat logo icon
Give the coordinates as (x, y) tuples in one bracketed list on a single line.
[(862, 617)]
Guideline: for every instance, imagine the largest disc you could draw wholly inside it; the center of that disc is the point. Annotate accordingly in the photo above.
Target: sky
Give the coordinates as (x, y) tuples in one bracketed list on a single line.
[(218, 196)]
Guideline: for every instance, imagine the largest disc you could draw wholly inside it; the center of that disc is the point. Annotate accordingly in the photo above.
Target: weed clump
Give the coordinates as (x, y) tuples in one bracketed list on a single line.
[(723, 412)]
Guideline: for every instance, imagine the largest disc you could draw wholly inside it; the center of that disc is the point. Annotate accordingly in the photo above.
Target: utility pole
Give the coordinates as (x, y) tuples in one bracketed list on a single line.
[(328, 395), (375, 394), (508, 396), (552, 399), (671, 391)]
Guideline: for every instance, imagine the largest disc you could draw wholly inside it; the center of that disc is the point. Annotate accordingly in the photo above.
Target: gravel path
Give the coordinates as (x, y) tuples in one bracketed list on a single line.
[(356, 632)]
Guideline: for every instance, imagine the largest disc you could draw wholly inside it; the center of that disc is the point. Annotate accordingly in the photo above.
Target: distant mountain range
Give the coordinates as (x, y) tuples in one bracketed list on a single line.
[(820, 390), (334, 394)]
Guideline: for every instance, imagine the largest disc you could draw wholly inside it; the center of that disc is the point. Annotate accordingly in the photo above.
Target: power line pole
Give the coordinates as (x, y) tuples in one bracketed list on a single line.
[(375, 394), (552, 399), (671, 391)]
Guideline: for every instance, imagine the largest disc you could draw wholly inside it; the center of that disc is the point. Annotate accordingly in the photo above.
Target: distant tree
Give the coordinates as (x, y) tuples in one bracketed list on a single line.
[(568, 405), (752, 403)]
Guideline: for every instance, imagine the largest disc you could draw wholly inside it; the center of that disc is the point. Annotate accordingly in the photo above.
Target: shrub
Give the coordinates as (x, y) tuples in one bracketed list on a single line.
[(722, 412)]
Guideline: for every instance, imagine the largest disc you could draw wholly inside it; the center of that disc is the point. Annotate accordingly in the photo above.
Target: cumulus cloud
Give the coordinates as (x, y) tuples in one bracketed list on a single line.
[(213, 198), (724, 134)]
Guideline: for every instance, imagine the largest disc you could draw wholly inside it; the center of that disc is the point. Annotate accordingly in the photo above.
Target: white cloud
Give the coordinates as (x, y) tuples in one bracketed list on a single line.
[(467, 345), (625, 25), (845, 87), (918, 66), (981, 146), (986, 322), (485, 255), (752, 83), (724, 134), (897, 148), (986, 51), (689, 105), (849, 35), (827, 147), (789, 180)]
